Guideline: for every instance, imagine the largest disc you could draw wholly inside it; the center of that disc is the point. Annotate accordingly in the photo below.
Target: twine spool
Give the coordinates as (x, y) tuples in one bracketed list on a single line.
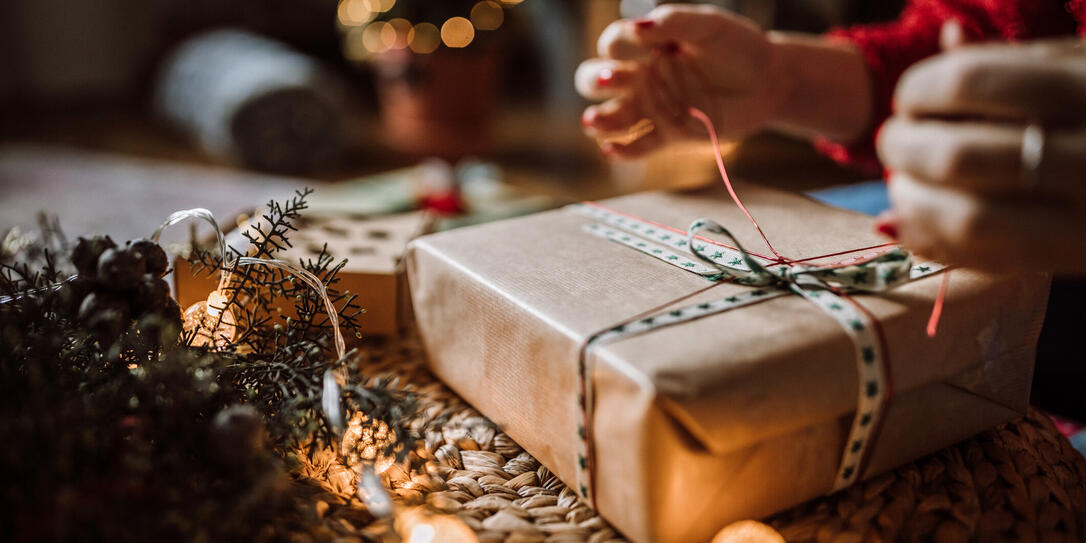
[(252, 100)]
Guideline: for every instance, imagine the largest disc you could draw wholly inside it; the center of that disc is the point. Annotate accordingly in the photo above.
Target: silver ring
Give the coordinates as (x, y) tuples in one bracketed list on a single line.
[(1033, 153)]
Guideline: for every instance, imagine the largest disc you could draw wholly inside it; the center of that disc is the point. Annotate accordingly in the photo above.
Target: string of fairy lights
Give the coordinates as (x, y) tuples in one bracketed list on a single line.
[(365, 34)]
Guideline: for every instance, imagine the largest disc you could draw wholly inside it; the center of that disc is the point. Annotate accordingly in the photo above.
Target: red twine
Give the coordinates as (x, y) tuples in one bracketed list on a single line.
[(669, 98)]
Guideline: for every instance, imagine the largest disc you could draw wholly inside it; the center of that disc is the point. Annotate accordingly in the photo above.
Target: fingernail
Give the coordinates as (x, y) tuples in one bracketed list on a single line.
[(588, 117), (887, 173), (607, 148), (886, 225), (605, 78), (644, 24)]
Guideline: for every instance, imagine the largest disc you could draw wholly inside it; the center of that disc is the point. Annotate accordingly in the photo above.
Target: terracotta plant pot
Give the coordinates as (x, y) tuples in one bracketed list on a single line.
[(439, 104)]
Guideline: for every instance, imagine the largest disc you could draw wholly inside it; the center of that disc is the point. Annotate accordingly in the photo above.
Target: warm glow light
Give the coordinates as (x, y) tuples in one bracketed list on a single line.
[(457, 32), (422, 533), (381, 465), (511, 2), (395, 34), (380, 6), (748, 531), (388, 36), (419, 525), (212, 322), (372, 37), (487, 15), (424, 38), (354, 12)]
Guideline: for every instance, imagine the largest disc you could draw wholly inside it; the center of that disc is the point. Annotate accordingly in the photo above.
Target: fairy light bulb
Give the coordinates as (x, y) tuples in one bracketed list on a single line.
[(211, 322), (422, 533), (419, 525)]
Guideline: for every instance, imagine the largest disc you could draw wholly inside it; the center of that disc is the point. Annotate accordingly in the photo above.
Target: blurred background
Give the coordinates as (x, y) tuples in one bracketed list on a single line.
[(116, 111)]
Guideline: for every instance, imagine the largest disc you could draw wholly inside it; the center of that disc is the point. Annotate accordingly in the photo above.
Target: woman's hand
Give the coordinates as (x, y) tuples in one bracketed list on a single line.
[(651, 71), (971, 184), (676, 57)]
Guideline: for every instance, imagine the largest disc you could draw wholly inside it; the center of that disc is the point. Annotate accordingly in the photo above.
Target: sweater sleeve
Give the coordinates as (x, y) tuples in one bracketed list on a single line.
[(1077, 9), (889, 49)]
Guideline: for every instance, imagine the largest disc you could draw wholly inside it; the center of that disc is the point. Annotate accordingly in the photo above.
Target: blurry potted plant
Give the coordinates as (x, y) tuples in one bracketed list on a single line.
[(436, 65)]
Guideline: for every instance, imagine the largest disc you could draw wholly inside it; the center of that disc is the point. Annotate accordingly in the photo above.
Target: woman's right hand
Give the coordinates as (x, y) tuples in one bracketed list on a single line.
[(676, 57)]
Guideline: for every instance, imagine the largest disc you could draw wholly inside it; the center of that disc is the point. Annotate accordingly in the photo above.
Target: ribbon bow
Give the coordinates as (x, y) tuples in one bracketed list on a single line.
[(871, 274)]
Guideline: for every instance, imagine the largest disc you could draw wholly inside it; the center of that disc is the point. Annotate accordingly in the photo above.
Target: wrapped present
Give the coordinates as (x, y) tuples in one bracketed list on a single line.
[(372, 245), (681, 383)]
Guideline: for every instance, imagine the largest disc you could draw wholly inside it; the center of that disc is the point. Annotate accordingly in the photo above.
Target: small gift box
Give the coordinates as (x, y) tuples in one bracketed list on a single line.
[(372, 245), (679, 383)]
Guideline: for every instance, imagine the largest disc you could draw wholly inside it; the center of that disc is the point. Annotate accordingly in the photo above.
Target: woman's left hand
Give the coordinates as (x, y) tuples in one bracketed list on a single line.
[(972, 183)]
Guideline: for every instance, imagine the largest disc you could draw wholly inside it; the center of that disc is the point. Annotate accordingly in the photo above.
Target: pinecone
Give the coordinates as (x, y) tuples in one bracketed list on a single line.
[(120, 269), (151, 254), (118, 285), (86, 253)]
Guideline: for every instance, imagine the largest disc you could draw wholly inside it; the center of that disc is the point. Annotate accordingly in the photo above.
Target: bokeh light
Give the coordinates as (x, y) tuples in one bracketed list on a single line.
[(511, 2), (380, 6), (354, 12), (457, 32), (424, 38), (372, 38), (422, 533), (487, 15), (394, 34)]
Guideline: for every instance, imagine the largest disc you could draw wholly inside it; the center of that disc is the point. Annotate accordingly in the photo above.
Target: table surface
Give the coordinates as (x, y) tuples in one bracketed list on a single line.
[(116, 171)]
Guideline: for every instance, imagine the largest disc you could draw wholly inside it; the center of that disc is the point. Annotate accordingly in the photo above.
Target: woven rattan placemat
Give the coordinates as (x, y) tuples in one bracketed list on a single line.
[(1021, 481)]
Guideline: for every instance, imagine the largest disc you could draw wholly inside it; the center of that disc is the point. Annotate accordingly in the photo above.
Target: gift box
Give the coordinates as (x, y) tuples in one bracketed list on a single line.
[(676, 399), (372, 245)]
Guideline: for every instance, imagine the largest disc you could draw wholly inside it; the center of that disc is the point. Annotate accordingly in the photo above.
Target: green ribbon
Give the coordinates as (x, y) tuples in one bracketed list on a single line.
[(886, 270)]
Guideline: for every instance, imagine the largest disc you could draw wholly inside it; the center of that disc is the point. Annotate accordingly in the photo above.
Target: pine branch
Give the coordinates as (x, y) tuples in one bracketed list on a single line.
[(141, 429)]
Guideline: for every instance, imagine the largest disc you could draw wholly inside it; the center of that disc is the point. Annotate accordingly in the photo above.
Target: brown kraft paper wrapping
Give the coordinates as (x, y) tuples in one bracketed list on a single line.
[(737, 415)]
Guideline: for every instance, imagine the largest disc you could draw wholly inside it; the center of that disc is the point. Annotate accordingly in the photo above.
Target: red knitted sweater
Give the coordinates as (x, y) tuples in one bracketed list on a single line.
[(891, 48)]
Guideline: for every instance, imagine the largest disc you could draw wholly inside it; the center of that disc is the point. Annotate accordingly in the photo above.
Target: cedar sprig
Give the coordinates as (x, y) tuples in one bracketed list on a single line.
[(294, 352)]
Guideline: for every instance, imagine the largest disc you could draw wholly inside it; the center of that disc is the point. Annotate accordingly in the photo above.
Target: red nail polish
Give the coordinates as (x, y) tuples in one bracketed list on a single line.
[(588, 118), (605, 78), (887, 228), (643, 24), (607, 148)]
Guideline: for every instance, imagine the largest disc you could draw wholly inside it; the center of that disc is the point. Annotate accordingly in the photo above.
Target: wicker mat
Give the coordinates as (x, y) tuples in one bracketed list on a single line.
[(1019, 482)]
